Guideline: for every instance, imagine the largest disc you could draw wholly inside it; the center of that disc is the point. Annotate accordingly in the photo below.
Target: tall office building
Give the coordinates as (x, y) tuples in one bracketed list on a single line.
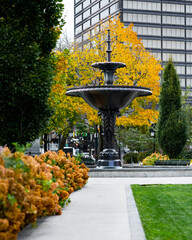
[(165, 27)]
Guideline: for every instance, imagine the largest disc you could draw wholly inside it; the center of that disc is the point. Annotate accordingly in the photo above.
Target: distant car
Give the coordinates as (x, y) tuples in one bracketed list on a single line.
[(86, 158)]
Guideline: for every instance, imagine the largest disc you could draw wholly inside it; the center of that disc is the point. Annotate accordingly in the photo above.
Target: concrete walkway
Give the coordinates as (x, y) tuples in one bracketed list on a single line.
[(103, 210)]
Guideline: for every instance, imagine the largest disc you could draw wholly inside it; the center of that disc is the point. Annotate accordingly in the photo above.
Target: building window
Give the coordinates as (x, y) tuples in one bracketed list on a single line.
[(78, 30), (78, 8), (172, 32), (95, 8), (151, 43), (167, 7), (105, 13), (189, 45), (189, 8), (86, 25), (180, 70), (113, 8), (129, 17), (86, 3), (189, 21), (173, 20), (177, 57), (189, 70), (153, 6), (189, 33), (86, 14), (95, 19), (104, 3), (78, 19), (147, 31), (189, 57), (173, 45)]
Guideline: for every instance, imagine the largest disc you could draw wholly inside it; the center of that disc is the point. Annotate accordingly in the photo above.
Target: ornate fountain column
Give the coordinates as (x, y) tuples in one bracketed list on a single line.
[(109, 157), (108, 123)]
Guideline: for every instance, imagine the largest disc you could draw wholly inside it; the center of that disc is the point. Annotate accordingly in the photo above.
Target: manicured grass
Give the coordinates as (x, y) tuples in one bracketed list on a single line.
[(165, 211)]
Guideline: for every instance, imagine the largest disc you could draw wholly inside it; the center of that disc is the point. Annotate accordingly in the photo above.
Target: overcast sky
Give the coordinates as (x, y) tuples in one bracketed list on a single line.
[(68, 13)]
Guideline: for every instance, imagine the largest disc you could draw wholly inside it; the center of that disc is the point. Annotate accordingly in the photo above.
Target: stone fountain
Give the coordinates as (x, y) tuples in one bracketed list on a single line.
[(108, 99)]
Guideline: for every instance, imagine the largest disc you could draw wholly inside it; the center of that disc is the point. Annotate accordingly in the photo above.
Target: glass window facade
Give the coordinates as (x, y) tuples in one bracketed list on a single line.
[(165, 27)]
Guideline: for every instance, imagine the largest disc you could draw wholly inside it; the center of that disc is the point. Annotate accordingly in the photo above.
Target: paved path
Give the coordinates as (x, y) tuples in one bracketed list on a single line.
[(103, 210)]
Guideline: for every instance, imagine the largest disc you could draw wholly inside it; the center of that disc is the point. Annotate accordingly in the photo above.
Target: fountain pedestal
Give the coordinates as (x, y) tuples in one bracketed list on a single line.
[(108, 99), (109, 157)]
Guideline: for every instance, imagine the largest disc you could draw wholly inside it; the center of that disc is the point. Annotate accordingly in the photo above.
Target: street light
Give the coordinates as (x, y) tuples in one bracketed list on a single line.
[(152, 132)]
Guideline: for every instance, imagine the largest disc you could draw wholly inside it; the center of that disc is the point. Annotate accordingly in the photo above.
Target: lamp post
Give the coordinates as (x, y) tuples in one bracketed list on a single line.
[(152, 131)]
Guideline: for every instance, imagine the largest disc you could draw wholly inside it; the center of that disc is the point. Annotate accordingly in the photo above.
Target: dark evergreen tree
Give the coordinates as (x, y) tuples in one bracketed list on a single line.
[(172, 124), (29, 30)]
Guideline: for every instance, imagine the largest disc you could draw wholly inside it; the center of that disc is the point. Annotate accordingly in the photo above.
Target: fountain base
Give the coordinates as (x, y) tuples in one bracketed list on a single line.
[(112, 164), (109, 158)]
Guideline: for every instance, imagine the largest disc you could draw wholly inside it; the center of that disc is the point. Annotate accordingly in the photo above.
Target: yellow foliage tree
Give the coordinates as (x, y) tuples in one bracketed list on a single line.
[(74, 69), (67, 111), (142, 69)]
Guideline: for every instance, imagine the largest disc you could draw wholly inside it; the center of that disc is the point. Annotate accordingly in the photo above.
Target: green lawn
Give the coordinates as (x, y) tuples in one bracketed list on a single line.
[(165, 211)]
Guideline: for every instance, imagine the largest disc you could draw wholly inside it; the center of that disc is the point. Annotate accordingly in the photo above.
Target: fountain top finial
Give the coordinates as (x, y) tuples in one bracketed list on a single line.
[(108, 47), (108, 67)]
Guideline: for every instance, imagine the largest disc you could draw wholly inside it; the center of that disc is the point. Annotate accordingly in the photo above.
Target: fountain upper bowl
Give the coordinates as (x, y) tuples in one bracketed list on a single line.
[(108, 96)]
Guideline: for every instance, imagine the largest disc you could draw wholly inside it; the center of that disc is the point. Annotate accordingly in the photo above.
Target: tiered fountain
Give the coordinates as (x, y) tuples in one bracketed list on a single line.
[(108, 99)]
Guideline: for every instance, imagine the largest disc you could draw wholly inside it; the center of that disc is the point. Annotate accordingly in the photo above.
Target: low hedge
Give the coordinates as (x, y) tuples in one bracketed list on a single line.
[(173, 162)]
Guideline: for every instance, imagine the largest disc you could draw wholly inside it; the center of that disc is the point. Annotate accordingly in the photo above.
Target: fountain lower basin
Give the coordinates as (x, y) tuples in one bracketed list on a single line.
[(108, 99), (108, 96)]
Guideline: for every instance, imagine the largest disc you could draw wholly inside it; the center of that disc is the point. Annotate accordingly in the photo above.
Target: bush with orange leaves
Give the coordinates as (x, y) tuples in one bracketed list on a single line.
[(150, 160), (35, 187)]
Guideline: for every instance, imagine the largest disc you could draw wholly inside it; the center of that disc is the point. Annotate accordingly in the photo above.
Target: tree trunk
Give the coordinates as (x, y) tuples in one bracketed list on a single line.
[(62, 142), (45, 142)]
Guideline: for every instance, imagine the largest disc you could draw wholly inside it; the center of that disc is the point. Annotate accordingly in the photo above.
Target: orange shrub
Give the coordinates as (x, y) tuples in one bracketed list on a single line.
[(150, 160), (35, 187)]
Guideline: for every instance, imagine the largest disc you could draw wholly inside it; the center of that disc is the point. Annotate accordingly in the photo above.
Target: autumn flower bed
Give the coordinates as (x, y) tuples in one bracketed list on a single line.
[(150, 160), (35, 187)]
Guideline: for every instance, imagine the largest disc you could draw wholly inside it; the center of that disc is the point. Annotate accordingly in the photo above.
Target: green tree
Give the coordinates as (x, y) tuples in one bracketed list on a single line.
[(172, 124), (28, 33)]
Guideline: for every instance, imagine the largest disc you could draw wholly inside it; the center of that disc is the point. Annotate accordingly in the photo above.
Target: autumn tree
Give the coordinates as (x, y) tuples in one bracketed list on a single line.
[(74, 69), (172, 124), (68, 112), (142, 69), (28, 33)]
